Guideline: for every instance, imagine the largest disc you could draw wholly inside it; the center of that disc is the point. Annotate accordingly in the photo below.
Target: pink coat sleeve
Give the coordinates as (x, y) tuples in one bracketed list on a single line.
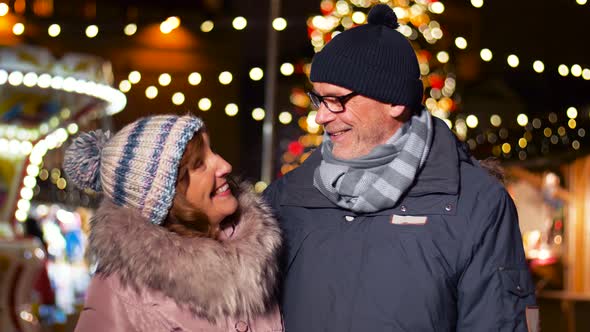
[(103, 310)]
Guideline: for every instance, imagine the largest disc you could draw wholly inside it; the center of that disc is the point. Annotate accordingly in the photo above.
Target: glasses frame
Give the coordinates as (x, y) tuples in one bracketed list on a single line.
[(320, 99)]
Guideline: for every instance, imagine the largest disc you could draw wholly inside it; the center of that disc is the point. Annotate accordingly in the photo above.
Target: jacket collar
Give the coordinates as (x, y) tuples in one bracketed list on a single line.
[(440, 174), (215, 280)]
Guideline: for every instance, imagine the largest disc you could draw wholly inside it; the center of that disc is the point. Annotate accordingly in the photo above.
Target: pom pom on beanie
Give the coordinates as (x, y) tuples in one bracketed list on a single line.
[(82, 159)]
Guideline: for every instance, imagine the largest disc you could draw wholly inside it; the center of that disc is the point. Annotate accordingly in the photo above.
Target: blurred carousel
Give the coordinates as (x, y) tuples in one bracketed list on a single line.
[(44, 100)]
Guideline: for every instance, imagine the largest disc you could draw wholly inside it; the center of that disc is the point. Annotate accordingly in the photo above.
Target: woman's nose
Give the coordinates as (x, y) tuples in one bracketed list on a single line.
[(223, 167)]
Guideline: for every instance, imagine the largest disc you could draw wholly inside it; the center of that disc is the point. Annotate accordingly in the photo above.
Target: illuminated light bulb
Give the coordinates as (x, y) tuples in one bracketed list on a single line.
[(285, 117), (4, 9), (287, 69), (151, 92), (359, 17), (134, 77), (486, 55), (130, 29), (437, 7), (506, 148), (563, 70), (538, 66), (581, 2), (461, 43), (442, 57), (472, 121), (178, 98), (572, 112), (225, 78), (72, 128), (18, 29), (54, 30), (256, 74), (522, 119), (194, 78), (231, 109), (258, 114), (207, 26), (30, 79), (586, 74), (174, 22), (496, 120), (164, 79), (166, 27), (477, 3), (239, 23), (15, 78), (91, 31), (576, 70), (204, 104), (279, 24), (124, 86), (513, 61)]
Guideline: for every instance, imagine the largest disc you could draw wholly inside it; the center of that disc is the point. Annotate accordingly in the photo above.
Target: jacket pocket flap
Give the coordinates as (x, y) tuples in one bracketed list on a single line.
[(516, 281)]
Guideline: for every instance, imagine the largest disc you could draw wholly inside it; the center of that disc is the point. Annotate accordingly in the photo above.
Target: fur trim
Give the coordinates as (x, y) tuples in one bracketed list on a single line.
[(213, 279)]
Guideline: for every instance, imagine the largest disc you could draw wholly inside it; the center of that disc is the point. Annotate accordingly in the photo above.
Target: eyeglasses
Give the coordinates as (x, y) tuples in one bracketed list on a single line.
[(334, 104)]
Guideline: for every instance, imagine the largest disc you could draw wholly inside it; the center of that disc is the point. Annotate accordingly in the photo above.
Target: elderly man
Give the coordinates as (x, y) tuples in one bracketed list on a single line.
[(390, 225)]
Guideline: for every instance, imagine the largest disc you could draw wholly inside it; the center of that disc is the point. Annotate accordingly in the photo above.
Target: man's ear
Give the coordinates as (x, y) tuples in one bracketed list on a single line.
[(395, 111)]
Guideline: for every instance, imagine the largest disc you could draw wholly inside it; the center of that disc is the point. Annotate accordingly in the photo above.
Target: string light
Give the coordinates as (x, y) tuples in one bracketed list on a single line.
[(576, 70), (18, 29), (130, 29), (477, 3), (204, 104), (513, 61), (124, 86), (461, 43), (239, 23), (225, 78), (572, 112), (151, 92), (207, 26), (496, 120), (194, 78), (231, 109), (563, 70), (442, 57), (258, 114), (164, 79), (538, 66), (91, 31), (486, 55), (287, 69), (581, 2), (472, 121), (134, 77), (522, 119), (4, 9), (178, 98), (256, 74), (285, 118), (54, 30), (279, 24)]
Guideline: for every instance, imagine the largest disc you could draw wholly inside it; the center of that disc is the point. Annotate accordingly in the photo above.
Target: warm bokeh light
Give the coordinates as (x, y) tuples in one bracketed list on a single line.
[(18, 29), (486, 54), (522, 119), (538, 66), (563, 70), (442, 57), (231, 109), (225, 77), (130, 29), (178, 98), (461, 43), (194, 78), (279, 24), (477, 3), (437, 7), (151, 92), (207, 26), (239, 23), (359, 17), (258, 114), (576, 70), (506, 148), (513, 61), (287, 69), (496, 120), (4, 9), (204, 104), (164, 79), (285, 117), (581, 2), (522, 142), (124, 86), (572, 112), (134, 77), (586, 74), (472, 121), (91, 31), (256, 74), (54, 30)]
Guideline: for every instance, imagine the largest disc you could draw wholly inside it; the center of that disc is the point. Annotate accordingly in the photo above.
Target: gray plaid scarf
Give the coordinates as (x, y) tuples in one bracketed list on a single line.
[(376, 181)]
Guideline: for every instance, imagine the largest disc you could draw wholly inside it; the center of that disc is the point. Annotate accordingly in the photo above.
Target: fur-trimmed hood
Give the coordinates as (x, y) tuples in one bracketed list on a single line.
[(214, 279)]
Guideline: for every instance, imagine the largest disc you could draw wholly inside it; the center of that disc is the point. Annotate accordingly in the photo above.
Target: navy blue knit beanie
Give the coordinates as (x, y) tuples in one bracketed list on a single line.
[(374, 60)]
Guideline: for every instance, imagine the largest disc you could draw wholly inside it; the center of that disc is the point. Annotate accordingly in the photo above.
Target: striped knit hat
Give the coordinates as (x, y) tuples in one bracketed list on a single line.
[(138, 166)]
